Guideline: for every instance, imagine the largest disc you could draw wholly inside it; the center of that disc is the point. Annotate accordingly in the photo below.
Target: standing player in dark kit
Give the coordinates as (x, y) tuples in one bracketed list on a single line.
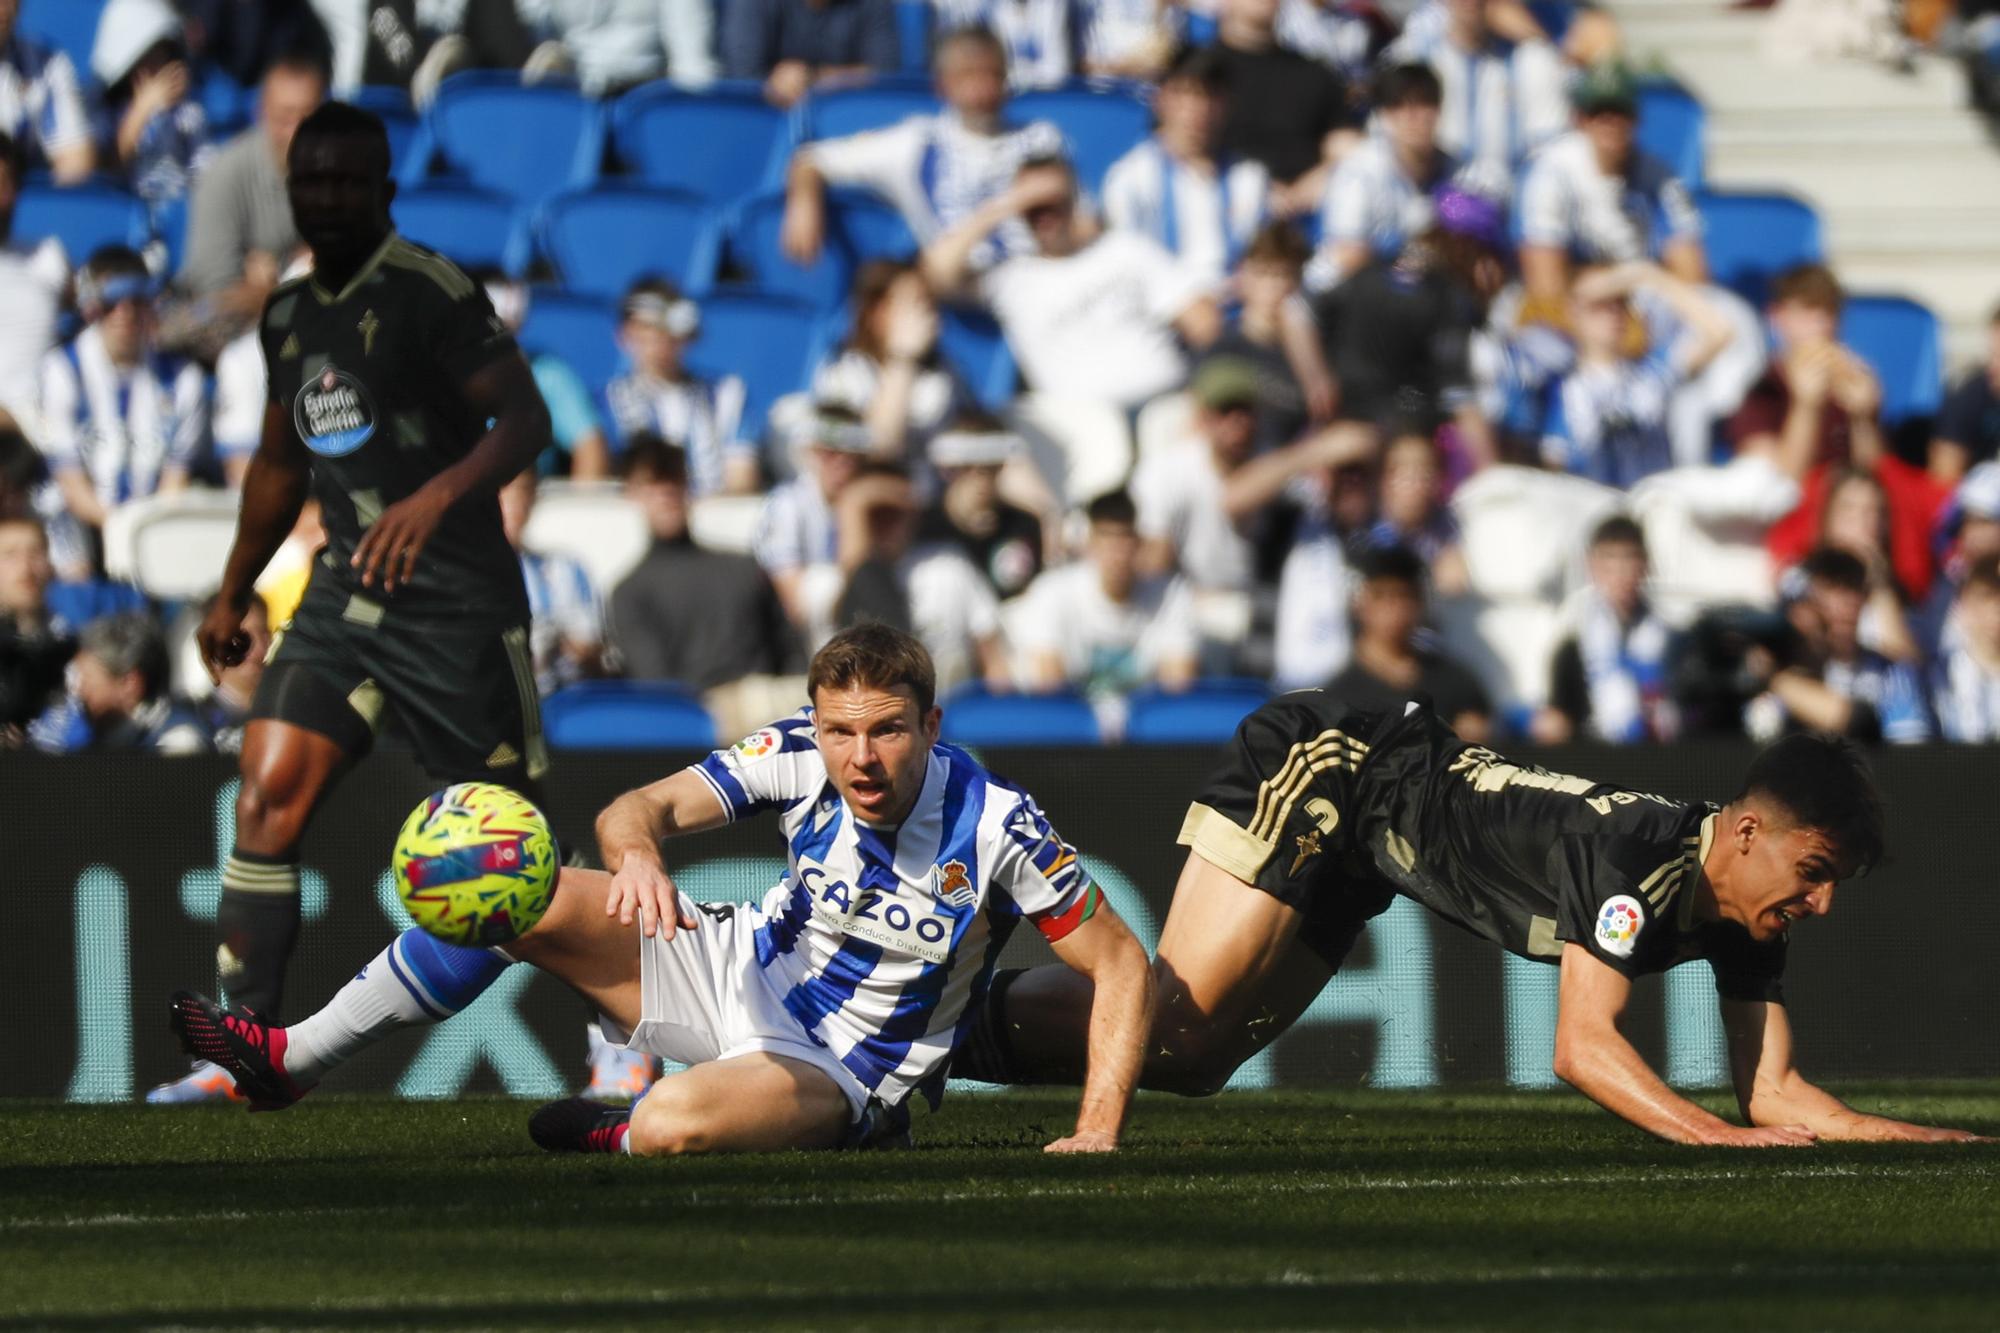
[(1322, 814), (385, 365)]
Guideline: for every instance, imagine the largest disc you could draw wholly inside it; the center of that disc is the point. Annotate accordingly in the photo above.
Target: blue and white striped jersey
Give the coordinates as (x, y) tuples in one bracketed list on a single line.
[(705, 419), (882, 941), (124, 429), (42, 107)]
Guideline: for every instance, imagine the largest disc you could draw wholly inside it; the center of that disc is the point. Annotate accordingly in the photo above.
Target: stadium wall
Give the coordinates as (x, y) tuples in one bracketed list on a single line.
[(112, 869)]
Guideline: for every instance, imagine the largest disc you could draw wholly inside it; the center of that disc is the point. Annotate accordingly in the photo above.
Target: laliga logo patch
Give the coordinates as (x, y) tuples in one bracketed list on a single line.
[(950, 885), (759, 743), (1618, 924), (333, 413)]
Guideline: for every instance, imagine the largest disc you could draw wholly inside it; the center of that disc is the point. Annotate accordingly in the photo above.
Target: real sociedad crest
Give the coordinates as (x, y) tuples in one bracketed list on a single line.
[(949, 884)]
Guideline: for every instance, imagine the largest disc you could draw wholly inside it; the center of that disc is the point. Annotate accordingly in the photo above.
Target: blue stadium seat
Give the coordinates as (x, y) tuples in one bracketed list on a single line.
[(399, 118), (472, 228), (844, 111), (626, 715), (724, 143), (225, 102), (1753, 237), (974, 717), (859, 227), (1204, 715), (1101, 121), (83, 217), (1901, 338), (913, 36), (525, 141), (1671, 123), (581, 330), (772, 342), (602, 238), (70, 26), (972, 343)]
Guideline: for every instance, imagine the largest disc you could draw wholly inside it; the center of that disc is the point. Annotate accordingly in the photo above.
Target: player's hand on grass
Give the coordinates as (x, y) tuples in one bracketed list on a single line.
[(1935, 1134), (1762, 1136), (221, 638), (390, 547), (1086, 1140), (643, 890)]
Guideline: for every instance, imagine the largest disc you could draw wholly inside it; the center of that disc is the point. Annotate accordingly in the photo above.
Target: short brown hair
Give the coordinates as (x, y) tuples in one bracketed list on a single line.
[(1983, 574), (1278, 243), (1809, 285), (874, 656)]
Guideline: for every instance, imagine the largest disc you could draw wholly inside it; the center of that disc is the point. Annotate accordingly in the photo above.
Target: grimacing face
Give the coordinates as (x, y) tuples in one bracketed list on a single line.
[(877, 747), (1780, 874)]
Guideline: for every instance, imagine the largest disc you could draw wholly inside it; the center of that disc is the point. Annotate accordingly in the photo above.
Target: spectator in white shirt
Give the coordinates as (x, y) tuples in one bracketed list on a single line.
[(1088, 316), (1965, 691), (1592, 195), (120, 419), (660, 395), (1042, 38), (890, 370), (32, 282), (796, 529), (1130, 39), (1501, 101), (612, 45), (1098, 626), (42, 105), (1381, 192), (934, 170), (1200, 204), (879, 574)]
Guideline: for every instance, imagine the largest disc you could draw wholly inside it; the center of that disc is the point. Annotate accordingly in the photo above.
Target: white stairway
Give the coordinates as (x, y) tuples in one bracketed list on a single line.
[(1902, 172)]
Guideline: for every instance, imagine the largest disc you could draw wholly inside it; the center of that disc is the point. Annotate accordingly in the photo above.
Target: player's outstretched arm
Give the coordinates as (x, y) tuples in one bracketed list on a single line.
[(1593, 1057), (502, 391), (274, 490), (1121, 1015), (1772, 1091), (629, 833)]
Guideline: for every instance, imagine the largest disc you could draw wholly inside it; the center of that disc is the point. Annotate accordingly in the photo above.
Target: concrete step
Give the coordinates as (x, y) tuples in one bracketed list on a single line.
[(1852, 131), (1743, 80), (1915, 181)]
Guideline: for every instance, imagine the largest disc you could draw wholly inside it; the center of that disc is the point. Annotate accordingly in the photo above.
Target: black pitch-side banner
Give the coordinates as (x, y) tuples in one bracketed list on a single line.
[(112, 880)]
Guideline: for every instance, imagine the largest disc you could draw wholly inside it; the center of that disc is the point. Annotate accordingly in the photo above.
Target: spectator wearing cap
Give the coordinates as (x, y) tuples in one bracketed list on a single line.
[(1593, 196), (1609, 416), (1501, 99), (1043, 39), (1288, 112), (42, 106), (796, 528), (566, 617), (1381, 194), (118, 697), (121, 420), (794, 46), (36, 643), (148, 127), (661, 396), (889, 369), (1965, 685), (577, 444), (1610, 675), (1002, 541), (935, 170), (1394, 660), (33, 279), (1100, 316), (879, 572), (240, 229), (1199, 203), (1099, 625), (706, 619), (1829, 680), (1968, 427)]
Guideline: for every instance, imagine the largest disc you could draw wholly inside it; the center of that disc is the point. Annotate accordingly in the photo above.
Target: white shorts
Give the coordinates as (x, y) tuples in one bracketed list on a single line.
[(702, 997)]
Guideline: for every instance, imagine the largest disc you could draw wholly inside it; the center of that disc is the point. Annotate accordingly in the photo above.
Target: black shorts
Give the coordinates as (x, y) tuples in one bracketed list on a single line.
[(1282, 814), (462, 686)]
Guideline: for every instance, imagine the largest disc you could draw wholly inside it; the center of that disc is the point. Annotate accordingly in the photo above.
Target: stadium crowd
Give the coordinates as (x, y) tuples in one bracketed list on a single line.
[(1386, 360)]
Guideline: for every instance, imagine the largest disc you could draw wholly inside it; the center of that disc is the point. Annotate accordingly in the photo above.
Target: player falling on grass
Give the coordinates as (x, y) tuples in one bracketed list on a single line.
[(386, 366), (1322, 814), (811, 1018)]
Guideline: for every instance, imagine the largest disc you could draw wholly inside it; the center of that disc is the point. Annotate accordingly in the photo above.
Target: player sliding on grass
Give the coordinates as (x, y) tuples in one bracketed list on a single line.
[(1322, 814), (812, 1018)]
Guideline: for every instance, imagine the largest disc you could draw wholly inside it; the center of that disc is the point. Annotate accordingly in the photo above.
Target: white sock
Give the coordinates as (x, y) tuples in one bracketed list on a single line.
[(364, 1011)]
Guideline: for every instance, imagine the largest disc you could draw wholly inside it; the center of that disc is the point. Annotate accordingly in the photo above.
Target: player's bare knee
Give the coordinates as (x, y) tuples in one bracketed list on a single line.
[(668, 1124)]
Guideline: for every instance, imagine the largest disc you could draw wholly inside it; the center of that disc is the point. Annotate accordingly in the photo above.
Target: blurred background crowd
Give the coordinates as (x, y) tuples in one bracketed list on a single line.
[(1142, 357)]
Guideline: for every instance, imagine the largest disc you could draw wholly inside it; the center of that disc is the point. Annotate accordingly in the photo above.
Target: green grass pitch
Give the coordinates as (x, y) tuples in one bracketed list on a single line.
[(1352, 1209)]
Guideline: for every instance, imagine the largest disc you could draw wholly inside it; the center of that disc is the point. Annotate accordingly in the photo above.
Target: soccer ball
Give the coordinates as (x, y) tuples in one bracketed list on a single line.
[(475, 864)]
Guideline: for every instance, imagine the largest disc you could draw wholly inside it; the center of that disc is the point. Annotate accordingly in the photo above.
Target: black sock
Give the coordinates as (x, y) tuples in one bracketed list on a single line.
[(987, 1055), (258, 921)]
